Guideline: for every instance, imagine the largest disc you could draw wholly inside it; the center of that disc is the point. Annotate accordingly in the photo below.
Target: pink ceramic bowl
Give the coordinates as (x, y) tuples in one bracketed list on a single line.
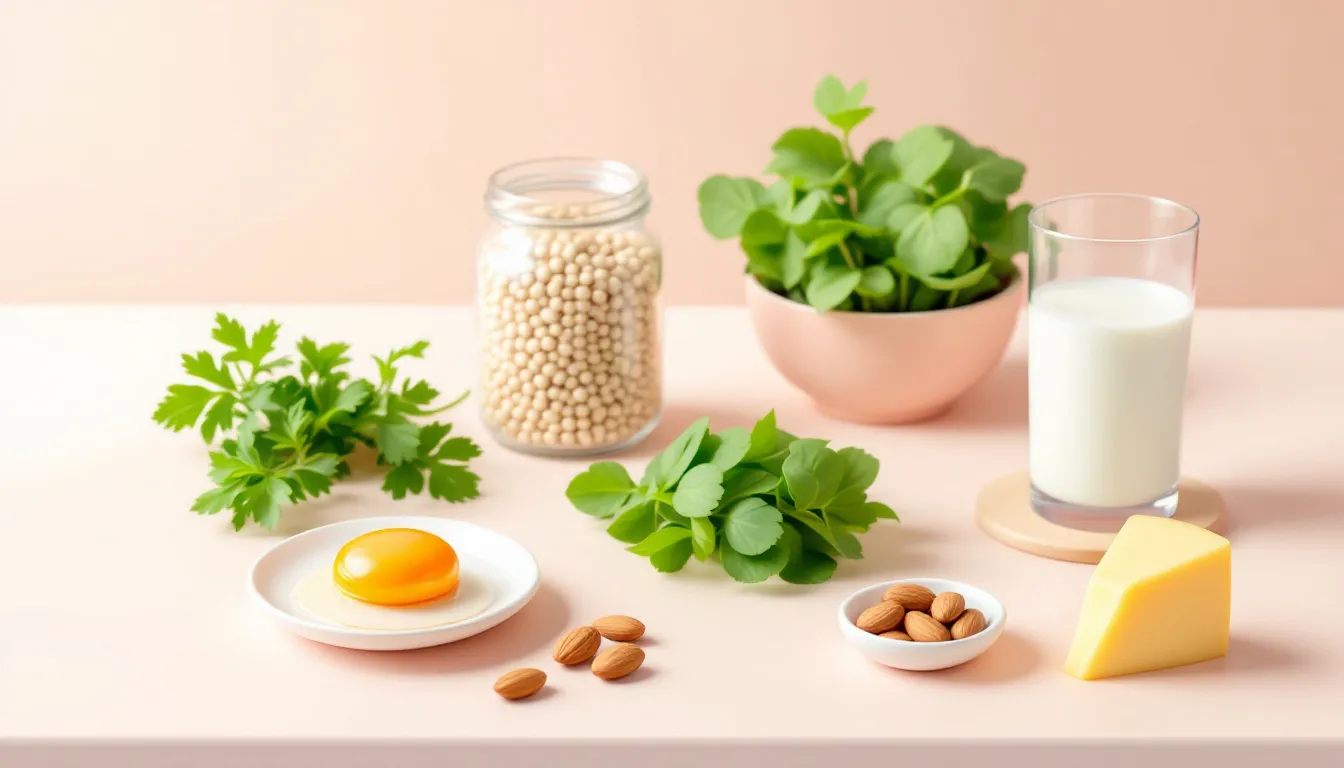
[(884, 368)]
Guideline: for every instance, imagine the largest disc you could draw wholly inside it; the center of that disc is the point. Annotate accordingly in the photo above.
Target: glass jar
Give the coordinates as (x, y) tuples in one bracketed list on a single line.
[(568, 283)]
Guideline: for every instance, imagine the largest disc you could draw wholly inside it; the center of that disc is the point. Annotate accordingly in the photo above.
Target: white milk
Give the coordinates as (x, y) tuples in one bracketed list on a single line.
[(1107, 362)]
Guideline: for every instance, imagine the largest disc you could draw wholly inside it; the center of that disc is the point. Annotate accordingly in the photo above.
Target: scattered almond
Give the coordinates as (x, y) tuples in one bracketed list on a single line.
[(520, 683), (923, 628), (947, 606), (883, 617), (912, 597), (895, 634), (577, 646), (971, 622), (618, 661), (622, 629)]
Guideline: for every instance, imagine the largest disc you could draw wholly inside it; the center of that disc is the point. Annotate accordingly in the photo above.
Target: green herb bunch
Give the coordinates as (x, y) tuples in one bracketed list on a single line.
[(762, 501), (919, 223), (292, 433)]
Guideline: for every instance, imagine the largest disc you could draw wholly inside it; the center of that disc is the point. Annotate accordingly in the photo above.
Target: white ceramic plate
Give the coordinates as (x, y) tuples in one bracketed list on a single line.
[(922, 657), (502, 562)]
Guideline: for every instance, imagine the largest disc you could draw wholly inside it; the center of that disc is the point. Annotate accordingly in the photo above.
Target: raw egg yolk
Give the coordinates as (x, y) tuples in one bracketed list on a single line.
[(396, 566)]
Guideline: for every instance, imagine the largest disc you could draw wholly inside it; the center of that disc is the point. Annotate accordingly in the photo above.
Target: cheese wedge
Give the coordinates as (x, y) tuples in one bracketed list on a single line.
[(1160, 597)]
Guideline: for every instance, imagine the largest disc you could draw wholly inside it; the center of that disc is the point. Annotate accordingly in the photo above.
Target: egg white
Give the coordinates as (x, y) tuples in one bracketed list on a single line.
[(318, 595)]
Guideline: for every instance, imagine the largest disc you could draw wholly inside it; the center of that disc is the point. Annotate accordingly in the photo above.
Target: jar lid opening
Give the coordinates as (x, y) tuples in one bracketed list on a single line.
[(566, 192)]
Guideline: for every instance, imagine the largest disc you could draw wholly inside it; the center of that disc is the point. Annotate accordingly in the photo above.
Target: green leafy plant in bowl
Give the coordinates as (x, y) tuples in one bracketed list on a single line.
[(919, 223)]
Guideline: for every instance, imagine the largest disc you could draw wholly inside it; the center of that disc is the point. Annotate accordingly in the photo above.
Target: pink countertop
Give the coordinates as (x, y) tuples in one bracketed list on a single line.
[(124, 616)]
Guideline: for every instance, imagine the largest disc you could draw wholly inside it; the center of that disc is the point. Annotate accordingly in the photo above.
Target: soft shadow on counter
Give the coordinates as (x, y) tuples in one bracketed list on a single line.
[(892, 551), (998, 401), (1245, 655), (645, 672), (1264, 506), (1011, 658), (530, 632)]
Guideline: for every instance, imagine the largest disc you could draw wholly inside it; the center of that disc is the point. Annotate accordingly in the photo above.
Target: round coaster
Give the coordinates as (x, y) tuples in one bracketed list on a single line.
[(1003, 510)]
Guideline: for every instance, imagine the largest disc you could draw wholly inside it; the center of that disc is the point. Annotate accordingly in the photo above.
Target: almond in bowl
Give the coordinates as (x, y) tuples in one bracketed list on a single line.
[(941, 623)]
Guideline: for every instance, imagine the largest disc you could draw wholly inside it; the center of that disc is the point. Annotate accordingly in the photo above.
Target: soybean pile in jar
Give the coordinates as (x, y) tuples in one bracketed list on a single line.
[(572, 354)]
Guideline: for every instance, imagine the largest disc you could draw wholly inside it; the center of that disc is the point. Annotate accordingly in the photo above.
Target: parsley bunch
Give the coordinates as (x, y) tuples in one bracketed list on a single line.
[(292, 433), (917, 224), (762, 501)]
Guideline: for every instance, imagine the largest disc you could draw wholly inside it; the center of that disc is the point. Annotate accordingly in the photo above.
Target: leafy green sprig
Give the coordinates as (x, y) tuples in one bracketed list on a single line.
[(761, 501), (287, 438), (919, 223)]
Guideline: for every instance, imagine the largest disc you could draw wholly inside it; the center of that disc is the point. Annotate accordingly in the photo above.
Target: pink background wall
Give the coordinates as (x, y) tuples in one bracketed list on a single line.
[(316, 150)]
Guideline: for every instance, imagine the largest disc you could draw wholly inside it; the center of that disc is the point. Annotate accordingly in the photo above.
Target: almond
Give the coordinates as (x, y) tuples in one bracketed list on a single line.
[(621, 629), (883, 617), (971, 622), (618, 661), (520, 683), (923, 628), (911, 596), (895, 634), (947, 606), (577, 646)]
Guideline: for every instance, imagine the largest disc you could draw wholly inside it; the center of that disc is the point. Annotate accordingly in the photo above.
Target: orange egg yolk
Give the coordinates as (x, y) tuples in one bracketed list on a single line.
[(396, 566)]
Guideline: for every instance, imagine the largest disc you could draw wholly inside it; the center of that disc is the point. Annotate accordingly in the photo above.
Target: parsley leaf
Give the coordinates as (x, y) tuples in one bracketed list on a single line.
[(403, 479), (218, 499), (230, 333), (387, 370), (286, 438), (452, 483), (203, 366), (321, 361), (219, 418), (419, 394), (398, 439), (430, 454), (262, 501), (349, 399), (183, 406)]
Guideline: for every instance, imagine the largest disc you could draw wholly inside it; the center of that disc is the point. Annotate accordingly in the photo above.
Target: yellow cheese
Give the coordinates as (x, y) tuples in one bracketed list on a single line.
[(1160, 597)]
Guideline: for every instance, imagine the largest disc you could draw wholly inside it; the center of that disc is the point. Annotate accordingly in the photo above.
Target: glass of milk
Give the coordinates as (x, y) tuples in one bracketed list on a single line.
[(1111, 297)]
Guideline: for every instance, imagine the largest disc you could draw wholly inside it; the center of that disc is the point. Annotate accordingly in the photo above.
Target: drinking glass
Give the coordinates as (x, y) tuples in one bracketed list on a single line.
[(1111, 294)]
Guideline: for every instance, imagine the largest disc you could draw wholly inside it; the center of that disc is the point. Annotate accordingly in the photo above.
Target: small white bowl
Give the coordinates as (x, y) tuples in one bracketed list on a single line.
[(502, 562), (922, 657)]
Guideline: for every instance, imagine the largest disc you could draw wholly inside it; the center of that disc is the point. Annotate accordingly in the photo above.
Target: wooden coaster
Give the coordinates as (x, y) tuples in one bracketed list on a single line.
[(1003, 510)]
